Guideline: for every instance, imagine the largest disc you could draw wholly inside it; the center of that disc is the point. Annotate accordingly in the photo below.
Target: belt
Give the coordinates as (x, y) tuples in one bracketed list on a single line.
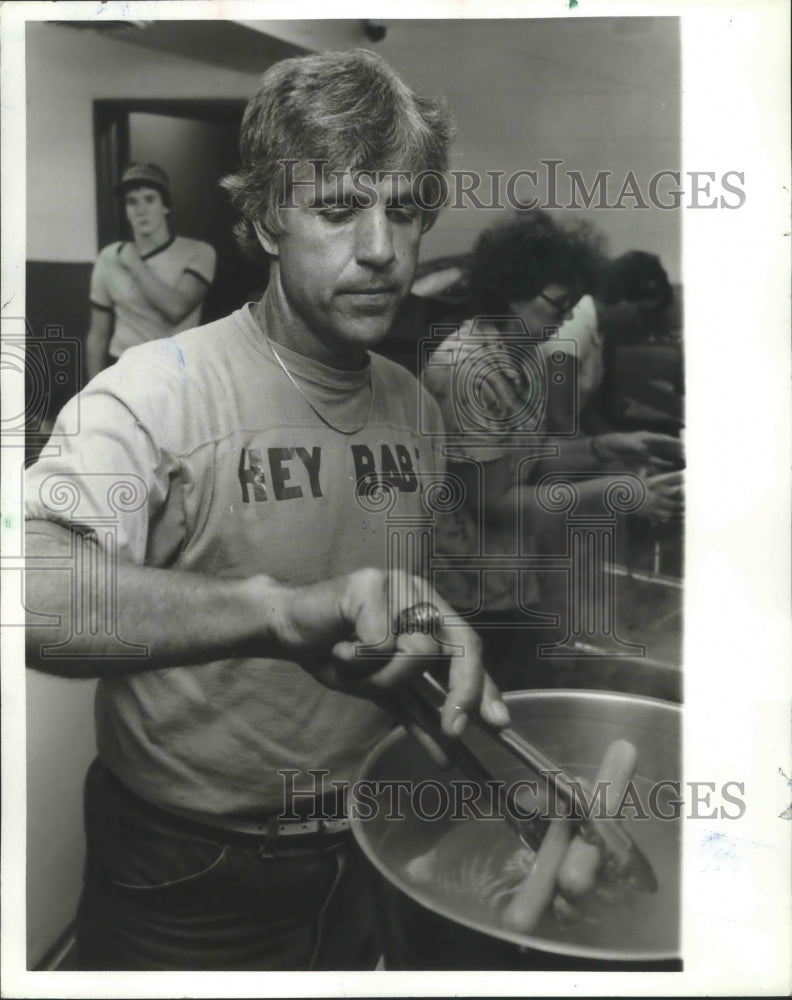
[(268, 828)]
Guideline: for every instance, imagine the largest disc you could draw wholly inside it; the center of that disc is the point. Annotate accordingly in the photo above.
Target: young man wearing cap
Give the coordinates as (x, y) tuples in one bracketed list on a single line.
[(151, 287), (245, 483)]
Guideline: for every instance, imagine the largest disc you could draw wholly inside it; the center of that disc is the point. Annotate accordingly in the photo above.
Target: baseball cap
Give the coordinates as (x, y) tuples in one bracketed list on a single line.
[(143, 174)]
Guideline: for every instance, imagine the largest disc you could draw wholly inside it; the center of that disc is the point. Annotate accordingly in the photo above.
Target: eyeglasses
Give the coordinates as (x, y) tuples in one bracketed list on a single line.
[(562, 308)]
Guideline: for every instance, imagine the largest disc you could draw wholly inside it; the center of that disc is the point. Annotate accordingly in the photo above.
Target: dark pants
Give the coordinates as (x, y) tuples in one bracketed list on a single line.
[(160, 895)]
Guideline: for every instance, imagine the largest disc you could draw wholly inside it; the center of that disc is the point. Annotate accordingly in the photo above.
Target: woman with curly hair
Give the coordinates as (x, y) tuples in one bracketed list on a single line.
[(508, 388)]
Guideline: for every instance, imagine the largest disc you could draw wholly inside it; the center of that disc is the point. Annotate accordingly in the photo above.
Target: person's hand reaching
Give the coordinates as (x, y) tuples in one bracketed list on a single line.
[(344, 632)]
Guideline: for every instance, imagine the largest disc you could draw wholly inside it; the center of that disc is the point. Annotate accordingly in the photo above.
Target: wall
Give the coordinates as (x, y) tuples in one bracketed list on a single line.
[(60, 745), (597, 93), (66, 70)]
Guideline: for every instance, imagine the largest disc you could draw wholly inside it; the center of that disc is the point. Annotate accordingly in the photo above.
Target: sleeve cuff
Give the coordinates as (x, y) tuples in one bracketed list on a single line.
[(198, 275)]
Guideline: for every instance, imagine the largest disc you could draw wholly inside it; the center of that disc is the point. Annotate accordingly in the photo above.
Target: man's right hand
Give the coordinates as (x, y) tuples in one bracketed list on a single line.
[(342, 631)]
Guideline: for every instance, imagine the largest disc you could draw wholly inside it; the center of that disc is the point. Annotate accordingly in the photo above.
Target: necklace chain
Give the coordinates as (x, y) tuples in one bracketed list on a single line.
[(316, 410)]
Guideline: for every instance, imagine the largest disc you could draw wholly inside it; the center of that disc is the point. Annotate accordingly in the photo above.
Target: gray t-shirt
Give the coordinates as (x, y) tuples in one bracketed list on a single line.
[(198, 453), (114, 290)]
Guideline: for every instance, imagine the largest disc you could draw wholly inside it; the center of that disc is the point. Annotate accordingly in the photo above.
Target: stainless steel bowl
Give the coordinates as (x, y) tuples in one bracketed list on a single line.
[(429, 929)]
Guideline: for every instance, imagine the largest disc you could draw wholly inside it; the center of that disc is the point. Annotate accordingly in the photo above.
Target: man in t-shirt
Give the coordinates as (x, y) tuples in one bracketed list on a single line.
[(233, 495), (151, 287)]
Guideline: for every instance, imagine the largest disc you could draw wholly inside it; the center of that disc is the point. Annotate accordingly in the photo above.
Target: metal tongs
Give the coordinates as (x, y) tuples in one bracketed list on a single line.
[(422, 703)]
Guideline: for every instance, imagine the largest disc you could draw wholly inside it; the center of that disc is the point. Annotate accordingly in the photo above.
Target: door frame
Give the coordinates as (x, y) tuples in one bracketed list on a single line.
[(111, 145)]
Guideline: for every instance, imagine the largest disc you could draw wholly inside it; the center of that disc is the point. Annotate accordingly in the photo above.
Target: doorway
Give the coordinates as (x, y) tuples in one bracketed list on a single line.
[(196, 142)]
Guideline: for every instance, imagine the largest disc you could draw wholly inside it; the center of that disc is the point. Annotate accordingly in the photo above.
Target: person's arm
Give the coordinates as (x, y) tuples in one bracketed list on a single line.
[(499, 496), (593, 452), (188, 618), (486, 474), (174, 303), (615, 451), (97, 340), (499, 492), (593, 463)]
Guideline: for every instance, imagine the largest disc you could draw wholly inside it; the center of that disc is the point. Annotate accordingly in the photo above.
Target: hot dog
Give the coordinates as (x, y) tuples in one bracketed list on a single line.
[(536, 893), (579, 869)]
